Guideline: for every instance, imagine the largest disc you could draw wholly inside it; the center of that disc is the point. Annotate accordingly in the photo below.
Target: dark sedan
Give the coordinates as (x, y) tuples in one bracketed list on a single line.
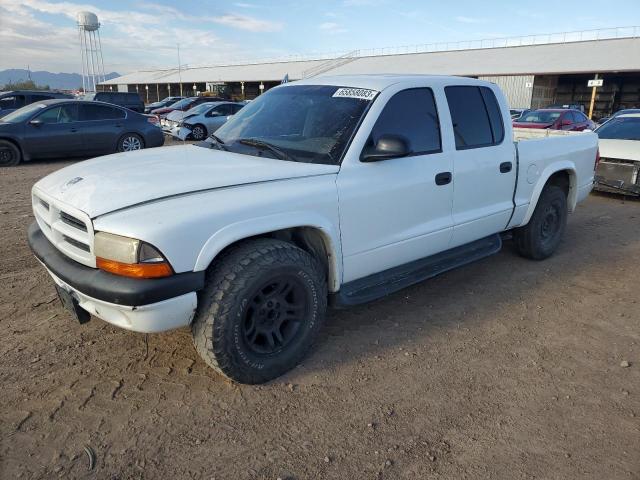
[(70, 128)]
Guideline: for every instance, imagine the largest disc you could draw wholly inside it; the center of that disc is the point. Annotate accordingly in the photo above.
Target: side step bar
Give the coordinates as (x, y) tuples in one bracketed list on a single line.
[(390, 281)]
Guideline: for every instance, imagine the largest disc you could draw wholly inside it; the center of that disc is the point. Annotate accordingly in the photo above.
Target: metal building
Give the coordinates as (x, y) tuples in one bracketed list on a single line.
[(533, 71)]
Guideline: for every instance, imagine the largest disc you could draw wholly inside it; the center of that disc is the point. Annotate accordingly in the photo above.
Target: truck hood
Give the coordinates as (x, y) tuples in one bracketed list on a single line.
[(122, 180), (620, 149)]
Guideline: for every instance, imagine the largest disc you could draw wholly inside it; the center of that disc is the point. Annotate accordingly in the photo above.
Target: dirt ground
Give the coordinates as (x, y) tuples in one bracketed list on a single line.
[(504, 369)]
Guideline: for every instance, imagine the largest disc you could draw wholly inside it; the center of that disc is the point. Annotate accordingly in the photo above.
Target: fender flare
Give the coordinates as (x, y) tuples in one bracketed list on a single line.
[(563, 166), (261, 225)]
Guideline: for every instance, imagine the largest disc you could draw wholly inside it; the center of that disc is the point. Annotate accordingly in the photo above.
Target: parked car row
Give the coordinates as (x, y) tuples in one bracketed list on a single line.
[(165, 102), (200, 121), (70, 128), (555, 119)]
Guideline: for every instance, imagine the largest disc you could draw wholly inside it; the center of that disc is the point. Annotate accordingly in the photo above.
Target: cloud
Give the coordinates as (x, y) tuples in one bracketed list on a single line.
[(131, 39), (244, 22), (332, 28), (463, 19)]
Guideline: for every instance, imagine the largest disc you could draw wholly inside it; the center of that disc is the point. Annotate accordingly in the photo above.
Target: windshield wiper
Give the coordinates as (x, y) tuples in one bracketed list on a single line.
[(259, 144), (218, 142)]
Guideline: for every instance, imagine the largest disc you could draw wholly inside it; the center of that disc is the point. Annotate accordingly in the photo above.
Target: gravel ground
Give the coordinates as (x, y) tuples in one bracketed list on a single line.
[(506, 369)]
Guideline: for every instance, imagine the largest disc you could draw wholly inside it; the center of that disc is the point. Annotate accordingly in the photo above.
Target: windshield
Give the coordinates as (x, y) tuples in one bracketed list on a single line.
[(620, 128), (23, 113), (185, 102), (540, 116), (305, 123), (197, 110)]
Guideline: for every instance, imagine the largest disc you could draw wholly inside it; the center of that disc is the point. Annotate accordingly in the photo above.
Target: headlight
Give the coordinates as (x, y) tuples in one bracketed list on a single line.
[(129, 257)]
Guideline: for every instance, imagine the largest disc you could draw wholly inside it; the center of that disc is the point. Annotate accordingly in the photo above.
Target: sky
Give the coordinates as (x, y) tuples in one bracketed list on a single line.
[(141, 34)]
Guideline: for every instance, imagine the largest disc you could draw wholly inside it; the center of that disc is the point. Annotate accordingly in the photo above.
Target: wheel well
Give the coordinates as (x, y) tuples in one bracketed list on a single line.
[(309, 239), (562, 179)]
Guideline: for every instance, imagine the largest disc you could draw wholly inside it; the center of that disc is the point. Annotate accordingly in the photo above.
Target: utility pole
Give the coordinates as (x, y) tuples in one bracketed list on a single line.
[(179, 70), (593, 96)]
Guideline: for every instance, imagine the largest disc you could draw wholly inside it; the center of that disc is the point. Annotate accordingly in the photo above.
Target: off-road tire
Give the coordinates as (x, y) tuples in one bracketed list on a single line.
[(219, 326), (540, 238), (10, 155)]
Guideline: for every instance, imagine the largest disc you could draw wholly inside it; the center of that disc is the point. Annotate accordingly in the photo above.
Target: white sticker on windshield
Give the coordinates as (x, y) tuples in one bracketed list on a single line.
[(359, 93)]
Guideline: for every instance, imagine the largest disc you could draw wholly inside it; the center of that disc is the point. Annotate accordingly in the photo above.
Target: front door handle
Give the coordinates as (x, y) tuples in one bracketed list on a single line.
[(74, 130), (505, 167), (443, 178)]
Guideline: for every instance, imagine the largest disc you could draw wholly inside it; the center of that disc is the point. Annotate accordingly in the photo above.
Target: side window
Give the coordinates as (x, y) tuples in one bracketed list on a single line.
[(569, 116), (411, 114), (495, 115), (580, 117), (225, 110), (38, 97), (470, 117), (236, 108), (100, 112), (14, 101), (61, 114)]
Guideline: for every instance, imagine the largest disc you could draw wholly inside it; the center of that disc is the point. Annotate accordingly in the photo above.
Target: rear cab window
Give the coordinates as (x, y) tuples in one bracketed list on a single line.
[(475, 115)]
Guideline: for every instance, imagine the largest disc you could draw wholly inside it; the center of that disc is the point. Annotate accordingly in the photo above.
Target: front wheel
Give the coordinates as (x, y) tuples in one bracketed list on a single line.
[(130, 142), (540, 238), (260, 311), (9, 154), (199, 132)]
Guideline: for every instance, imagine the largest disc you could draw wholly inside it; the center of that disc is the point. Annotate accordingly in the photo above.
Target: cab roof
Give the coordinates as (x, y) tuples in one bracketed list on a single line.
[(381, 81)]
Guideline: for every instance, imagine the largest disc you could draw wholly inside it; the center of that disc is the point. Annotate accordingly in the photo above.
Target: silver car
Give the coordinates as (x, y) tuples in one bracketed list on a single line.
[(201, 121)]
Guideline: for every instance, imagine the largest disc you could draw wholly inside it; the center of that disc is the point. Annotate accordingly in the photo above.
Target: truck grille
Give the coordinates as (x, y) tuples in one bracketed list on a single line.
[(68, 229)]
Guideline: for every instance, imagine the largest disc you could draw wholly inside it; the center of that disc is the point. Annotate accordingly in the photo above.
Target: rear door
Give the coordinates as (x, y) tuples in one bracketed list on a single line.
[(102, 127), (56, 132), (484, 171)]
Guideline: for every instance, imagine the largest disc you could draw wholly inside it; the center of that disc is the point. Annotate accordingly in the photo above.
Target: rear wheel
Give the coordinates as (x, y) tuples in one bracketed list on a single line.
[(130, 142), (199, 132), (260, 311), (10, 155), (540, 238)]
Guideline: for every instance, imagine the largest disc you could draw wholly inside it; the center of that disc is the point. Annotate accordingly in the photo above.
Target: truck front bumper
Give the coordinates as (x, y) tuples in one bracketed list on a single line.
[(141, 305)]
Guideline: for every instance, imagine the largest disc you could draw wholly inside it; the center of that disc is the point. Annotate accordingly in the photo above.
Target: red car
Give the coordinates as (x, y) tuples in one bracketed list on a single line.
[(555, 119)]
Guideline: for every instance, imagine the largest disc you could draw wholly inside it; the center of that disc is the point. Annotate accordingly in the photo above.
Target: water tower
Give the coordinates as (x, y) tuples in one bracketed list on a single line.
[(91, 51)]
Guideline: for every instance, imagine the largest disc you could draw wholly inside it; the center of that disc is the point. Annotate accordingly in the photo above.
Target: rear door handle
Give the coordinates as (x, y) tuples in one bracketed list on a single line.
[(505, 167), (443, 178)]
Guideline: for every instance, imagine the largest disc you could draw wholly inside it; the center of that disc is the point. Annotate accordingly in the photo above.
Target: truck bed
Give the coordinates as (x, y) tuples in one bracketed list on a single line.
[(540, 151)]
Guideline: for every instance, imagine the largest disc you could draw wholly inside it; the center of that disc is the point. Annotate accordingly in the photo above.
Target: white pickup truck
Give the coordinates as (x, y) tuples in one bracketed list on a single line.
[(332, 189)]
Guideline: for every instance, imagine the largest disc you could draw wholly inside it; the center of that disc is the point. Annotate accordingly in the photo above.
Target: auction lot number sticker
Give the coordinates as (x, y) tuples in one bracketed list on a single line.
[(359, 93)]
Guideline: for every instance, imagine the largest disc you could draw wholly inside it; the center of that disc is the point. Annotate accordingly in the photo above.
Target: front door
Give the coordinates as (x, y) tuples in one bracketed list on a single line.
[(394, 211), (484, 169), (55, 132)]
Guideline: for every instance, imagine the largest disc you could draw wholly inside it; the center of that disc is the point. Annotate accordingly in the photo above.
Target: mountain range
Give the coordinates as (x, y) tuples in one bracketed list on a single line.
[(64, 81)]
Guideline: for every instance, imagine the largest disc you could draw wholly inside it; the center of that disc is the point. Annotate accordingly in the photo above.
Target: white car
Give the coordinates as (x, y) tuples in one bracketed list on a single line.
[(332, 189), (619, 167), (173, 120), (198, 123)]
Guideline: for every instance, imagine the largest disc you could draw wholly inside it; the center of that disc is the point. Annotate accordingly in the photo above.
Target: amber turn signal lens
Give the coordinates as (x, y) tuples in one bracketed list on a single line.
[(135, 270)]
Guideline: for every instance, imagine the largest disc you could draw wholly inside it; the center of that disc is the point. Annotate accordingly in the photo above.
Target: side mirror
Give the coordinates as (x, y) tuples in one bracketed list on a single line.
[(387, 147), (36, 123)]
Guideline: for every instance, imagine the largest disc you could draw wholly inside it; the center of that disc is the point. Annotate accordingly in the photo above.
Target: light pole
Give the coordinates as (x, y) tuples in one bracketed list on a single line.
[(146, 87), (194, 90), (261, 87)]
